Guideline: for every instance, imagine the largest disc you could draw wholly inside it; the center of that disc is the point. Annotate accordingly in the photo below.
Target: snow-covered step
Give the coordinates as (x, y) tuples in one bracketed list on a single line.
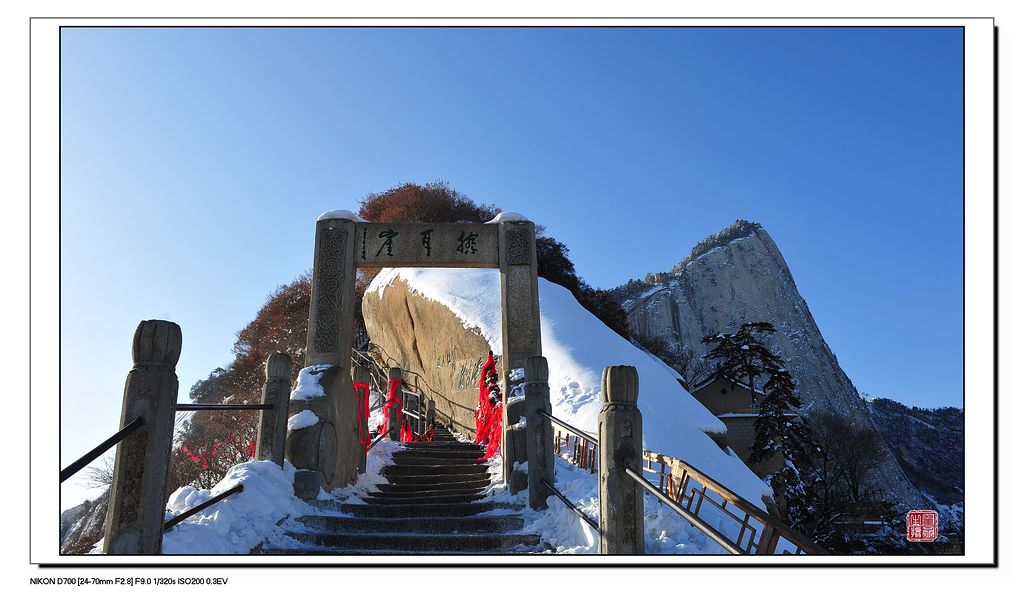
[(470, 524), (426, 495), (434, 543), (447, 454), (418, 460), (461, 484), (398, 480), (453, 497), (433, 502), (434, 469)]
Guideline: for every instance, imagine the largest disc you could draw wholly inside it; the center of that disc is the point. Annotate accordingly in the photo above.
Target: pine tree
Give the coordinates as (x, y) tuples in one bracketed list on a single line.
[(742, 356), (777, 433)]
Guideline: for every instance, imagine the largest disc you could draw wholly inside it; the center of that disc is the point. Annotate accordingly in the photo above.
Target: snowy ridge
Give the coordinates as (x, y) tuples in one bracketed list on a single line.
[(578, 346)]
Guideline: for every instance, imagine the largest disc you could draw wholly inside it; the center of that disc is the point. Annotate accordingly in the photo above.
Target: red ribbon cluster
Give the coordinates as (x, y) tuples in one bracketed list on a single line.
[(489, 409), (200, 457)]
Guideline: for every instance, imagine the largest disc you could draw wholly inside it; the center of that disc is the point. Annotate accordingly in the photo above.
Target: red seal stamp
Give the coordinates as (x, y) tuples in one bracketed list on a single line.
[(922, 526)]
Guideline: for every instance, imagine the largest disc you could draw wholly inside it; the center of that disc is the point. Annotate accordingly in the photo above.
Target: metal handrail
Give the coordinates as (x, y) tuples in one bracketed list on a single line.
[(379, 438), (582, 434), (100, 449), (202, 506), (772, 528), (572, 506), (194, 407), (420, 377), (697, 523), (750, 510)]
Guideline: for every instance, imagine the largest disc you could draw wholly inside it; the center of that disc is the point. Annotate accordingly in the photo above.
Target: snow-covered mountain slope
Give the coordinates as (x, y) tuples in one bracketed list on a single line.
[(929, 446), (736, 276), (577, 346)]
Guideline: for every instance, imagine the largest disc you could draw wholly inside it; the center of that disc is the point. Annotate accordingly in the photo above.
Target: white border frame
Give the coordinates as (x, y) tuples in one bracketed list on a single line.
[(978, 302)]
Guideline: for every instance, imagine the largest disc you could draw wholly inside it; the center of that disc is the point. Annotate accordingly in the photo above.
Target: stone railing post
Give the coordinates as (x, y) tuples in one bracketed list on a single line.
[(539, 443), (620, 433), (135, 516), (274, 422), (431, 413), (360, 374), (394, 414)]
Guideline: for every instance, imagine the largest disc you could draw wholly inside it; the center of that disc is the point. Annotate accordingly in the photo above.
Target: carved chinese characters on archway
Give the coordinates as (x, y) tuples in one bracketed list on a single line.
[(425, 244)]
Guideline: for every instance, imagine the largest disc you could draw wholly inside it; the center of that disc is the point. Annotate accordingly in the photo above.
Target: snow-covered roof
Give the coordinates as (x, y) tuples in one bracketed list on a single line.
[(709, 380)]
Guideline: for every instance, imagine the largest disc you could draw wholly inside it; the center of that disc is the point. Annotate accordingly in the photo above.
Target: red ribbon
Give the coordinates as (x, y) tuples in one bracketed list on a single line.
[(488, 415), (394, 399)]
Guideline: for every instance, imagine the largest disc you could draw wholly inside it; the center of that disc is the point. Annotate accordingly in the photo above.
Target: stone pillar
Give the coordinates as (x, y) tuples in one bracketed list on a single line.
[(539, 443), (520, 332), (620, 432), (394, 414), (274, 422), (328, 451), (360, 374), (135, 516)]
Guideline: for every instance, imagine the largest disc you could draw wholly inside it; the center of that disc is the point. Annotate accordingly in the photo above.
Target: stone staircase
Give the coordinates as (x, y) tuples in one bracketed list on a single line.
[(433, 503)]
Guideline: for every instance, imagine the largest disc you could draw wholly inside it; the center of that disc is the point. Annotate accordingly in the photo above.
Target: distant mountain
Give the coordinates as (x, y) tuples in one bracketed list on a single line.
[(82, 526), (736, 276), (929, 446)]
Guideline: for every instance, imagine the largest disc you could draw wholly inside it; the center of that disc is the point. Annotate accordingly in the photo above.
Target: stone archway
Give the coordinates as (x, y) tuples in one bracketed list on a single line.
[(327, 454)]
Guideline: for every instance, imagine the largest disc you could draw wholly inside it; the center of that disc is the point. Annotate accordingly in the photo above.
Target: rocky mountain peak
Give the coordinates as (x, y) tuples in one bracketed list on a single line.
[(735, 276)]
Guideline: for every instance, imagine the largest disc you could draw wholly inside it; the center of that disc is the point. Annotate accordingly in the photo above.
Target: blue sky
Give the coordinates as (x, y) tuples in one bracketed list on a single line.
[(195, 161)]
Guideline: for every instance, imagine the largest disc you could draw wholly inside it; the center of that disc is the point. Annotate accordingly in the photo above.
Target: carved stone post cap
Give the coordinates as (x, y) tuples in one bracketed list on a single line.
[(620, 385), (395, 373), (536, 369), (157, 341), (279, 366)]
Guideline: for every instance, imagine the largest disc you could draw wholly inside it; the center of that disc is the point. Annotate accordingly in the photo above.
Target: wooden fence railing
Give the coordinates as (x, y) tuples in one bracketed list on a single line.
[(736, 524)]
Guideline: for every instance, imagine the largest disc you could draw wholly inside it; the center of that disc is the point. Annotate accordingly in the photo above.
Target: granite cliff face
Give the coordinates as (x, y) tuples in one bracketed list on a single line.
[(427, 338), (738, 276)]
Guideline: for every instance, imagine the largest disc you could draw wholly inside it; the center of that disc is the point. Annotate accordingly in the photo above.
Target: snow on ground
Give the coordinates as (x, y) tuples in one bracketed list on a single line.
[(578, 346), (376, 460), (240, 522), (376, 417)]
